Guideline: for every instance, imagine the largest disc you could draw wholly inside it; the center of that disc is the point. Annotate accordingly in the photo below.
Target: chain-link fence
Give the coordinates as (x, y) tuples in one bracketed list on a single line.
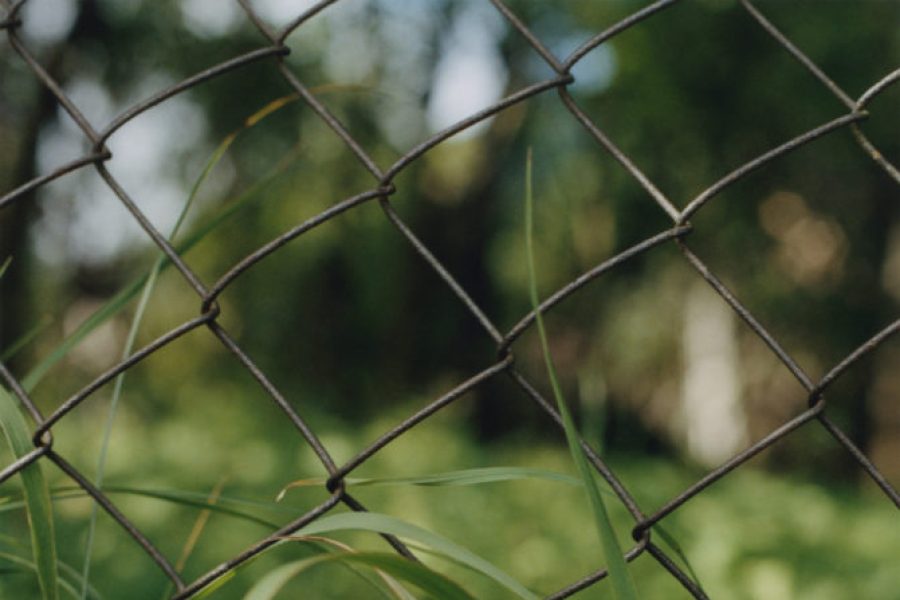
[(273, 51)]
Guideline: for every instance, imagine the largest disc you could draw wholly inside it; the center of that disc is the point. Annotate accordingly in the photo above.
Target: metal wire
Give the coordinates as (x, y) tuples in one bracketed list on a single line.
[(274, 51)]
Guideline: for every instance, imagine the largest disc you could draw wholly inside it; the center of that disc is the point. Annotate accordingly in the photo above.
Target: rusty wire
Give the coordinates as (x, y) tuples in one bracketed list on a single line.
[(274, 50)]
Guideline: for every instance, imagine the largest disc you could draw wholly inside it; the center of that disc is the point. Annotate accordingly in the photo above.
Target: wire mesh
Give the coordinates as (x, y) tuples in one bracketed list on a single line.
[(273, 50)]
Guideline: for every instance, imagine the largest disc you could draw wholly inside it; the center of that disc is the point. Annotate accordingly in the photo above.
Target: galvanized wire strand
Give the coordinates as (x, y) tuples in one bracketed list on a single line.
[(439, 268), (868, 346), (275, 395), (619, 27), (151, 230), (599, 465), (620, 156), (133, 359), (37, 182), (415, 419), (863, 460), (532, 39), (61, 97), (589, 580), (193, 81), (689, 584), (729, 465), (210, 576), (589, 276), (746, 316), (382, 190), (23, 461), (392, 540), (748, 167), (302, 18), (119, 517), (20, 394), (524, 94), (270, 247), (786, 43)]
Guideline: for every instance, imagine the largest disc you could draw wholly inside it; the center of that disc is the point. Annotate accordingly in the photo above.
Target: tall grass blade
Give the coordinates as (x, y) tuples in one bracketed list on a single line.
[(379, 523), (433, 584), (673, 545), (26, 338), (394, 588), (36, 495), (118, 302), (231, 507), (144, 302), (615, 562), (477, 476)]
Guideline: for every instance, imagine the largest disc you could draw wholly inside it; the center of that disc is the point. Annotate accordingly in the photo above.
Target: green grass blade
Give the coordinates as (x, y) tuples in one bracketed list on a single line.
[(136, 320), (5, 266), (411, 572), (225, 505), (673, 545), (317, 546), (26, 338), (379, 523), (615, 562), (477, 476), (37, 497), (394, 588), (118, 302)]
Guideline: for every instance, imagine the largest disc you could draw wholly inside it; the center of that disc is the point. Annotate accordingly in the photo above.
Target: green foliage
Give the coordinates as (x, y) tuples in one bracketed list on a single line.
[(37, 497), (428, 581)]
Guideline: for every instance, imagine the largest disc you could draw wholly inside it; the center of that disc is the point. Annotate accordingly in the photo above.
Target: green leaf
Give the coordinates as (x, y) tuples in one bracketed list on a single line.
[(478, 476), (26, 338), (622, 583), (5, 266), (37, 497), (673, 545), (379, 523), (417, 574)]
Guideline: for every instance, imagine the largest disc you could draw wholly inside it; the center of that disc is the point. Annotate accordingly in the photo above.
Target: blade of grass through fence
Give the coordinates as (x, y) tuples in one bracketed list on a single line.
[(380, 523), (317, 545), (386, 524), (675, 547), (225, 505), (243, 200), (214, 159), (26, 338), (36, 495), (615, 562), (481, 476), (477, 476), (118, 302), (433, 584), (392, 584)]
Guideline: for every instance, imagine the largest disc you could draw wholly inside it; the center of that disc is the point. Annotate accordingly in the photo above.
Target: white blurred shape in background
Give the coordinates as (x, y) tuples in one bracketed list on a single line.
[(712, 420)]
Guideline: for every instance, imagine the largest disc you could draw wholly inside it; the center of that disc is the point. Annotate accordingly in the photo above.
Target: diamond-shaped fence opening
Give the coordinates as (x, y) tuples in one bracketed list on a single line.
[(467, 296)]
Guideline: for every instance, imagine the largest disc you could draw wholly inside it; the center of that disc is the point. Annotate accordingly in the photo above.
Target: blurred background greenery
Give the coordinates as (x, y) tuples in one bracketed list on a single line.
[(357, 331)]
